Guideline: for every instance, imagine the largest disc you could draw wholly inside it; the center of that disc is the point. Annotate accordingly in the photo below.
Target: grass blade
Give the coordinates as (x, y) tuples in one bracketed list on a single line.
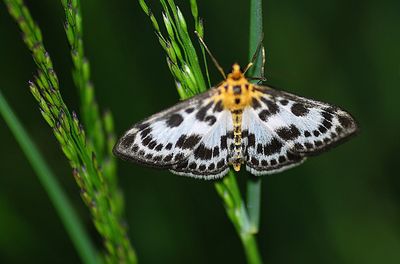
[(64, 208), (254, 183)]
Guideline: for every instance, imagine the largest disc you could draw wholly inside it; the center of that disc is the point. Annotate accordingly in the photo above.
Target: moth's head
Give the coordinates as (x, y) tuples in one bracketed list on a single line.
[(236, 74)]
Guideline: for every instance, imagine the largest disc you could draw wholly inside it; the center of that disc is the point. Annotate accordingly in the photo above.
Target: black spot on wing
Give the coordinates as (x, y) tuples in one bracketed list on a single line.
[(179, 157), (327, 124), (202, 152), (168, 146), (191, 141), (299, 109), (251, 140), (152, 144), (322, 129), (288, 133), (201, 114), (210, 120), (157, 158), (159, 147), (318, 143), (127, 141), (215, 151), (189, 110), (147, 140), (345, 121), (328, 116), (264, 114), (293, 157), (255, 103), (308, 145), (273, 108), (202, 167), (274, 146), (224, 144), (182, 165), (254, 161), (145, 132), (181, 141), (168, 158), (259, 148), (220, 163), (284, 102), (174, 120), (192, 166), (142, 126), (298, 147), (218, 106), (135, 148)]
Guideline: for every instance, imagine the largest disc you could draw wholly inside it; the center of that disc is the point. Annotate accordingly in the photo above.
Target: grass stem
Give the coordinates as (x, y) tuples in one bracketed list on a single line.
[(254, 183), (62, 205)]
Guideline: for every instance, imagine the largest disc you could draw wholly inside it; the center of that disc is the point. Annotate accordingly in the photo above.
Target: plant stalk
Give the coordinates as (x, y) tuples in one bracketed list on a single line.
[(63, 206), (254, 183)]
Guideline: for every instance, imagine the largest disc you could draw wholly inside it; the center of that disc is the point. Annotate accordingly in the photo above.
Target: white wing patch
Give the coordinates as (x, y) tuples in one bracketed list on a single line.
[(284, 128), (266, 152), (209, 159), (188, 139)]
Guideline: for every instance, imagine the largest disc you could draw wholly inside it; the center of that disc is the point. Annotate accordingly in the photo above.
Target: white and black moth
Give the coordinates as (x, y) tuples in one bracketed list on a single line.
[(235, 123)]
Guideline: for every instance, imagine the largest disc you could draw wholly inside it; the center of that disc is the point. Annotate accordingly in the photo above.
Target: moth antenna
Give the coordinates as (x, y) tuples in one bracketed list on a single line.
[(220, 69), (253, 59), (263, 62)]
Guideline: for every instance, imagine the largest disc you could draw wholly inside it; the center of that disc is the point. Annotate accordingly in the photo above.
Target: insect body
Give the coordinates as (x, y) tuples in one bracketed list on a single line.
[(235, 123)]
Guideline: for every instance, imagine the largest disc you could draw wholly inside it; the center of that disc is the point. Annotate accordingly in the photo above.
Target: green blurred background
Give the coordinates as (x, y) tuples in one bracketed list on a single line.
[(340, 207)]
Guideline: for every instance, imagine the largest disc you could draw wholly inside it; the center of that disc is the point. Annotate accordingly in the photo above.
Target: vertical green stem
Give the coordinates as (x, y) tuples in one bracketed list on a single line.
[(67, 214), (251, 249), (253, 189), (235, 208), (254, 184), (256, 33)]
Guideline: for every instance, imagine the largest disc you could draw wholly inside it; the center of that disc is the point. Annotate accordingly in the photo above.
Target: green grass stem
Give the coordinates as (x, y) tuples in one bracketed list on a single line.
[(254, 183), (62, 205)]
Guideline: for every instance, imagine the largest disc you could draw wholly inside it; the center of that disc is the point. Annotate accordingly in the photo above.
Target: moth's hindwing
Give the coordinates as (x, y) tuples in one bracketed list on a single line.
[(188, 138), (283, 129)]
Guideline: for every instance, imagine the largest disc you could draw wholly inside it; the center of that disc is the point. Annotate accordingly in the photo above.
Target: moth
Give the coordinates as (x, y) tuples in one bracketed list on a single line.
[(236, 123)]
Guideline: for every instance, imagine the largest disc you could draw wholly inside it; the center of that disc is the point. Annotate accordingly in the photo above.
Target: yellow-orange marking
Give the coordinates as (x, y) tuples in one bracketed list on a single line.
[(235, 94)]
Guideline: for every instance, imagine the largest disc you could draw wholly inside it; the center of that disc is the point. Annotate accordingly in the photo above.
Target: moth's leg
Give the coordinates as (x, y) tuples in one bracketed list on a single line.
[(259, 79), (259, 48)]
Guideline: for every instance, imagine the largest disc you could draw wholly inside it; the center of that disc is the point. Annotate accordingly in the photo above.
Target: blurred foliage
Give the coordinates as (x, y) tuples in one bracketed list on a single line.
[(340, 207)]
